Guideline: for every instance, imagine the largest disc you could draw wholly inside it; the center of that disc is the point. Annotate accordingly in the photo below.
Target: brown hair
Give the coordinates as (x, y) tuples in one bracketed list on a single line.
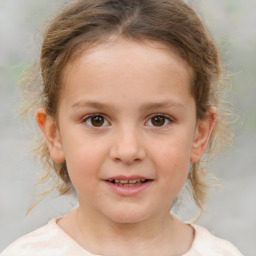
[(85, 23)]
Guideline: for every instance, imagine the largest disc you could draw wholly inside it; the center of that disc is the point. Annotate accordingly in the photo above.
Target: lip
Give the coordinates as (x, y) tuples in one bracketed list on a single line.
[(132, 177), (128, 190)]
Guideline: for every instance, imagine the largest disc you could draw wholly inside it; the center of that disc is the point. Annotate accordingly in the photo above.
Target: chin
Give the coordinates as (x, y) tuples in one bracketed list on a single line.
[(128, 216)]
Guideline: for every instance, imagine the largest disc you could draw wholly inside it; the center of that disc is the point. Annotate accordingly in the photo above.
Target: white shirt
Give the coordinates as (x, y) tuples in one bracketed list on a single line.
[(51, 240)]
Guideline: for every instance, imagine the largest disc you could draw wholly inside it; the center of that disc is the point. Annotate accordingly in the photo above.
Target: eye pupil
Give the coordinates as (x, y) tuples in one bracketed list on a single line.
[(97, 121), (158, 120)]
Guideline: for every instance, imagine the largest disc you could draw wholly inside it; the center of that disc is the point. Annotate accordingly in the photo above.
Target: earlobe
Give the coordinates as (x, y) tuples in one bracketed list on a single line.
[(202, 135), (51, 134)]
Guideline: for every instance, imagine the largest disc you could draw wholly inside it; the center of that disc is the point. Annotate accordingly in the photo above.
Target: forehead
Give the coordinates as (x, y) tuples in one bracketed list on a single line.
[(121, 49), (127, 62)]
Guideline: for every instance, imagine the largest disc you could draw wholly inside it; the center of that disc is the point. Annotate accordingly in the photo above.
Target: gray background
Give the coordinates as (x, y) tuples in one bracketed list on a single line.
[(231, 211)]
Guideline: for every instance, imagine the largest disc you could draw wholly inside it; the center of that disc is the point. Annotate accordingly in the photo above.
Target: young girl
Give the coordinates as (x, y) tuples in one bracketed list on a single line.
[(127, 101)]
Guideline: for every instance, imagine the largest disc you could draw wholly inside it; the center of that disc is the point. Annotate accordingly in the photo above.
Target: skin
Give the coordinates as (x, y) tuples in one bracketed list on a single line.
[(127, 83)]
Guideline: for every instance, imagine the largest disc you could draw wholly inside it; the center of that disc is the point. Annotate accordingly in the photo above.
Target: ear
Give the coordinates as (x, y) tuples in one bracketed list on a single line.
[(51, 133), (202, 134)]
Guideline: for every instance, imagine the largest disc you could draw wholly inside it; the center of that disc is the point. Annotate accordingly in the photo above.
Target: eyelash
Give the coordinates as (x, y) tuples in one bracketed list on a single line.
[(88, 119), (167, 119)]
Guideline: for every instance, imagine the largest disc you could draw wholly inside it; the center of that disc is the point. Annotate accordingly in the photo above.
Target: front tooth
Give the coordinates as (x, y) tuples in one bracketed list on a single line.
[(123, 181), (132, 181)]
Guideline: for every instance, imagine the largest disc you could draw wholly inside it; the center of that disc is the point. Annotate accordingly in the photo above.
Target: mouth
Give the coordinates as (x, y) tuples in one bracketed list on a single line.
[(128, 186), (128, 182)]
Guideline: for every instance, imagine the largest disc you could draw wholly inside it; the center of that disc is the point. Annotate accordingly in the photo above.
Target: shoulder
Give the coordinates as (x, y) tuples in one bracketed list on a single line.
[(207, 244), (47, 240), (33, 241)]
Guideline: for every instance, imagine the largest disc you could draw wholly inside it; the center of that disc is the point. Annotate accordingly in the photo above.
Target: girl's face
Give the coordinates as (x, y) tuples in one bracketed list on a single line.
[(127, 129)]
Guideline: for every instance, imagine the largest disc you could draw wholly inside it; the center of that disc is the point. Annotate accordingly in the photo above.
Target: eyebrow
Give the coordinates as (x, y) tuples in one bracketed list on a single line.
[(92, 104), (145, 106), (162, 104)]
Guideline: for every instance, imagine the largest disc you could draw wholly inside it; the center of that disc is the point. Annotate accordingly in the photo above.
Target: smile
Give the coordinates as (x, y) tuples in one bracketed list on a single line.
[(128, 182), (128, 186)]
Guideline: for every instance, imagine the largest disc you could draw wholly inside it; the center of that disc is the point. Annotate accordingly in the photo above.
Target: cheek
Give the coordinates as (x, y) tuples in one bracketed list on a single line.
[(174, 155), (173, 165), (175, 174), (83, 162)]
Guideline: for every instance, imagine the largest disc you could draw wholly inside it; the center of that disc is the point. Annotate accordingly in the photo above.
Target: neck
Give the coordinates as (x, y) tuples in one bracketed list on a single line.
[(154, 236), (144, 229)]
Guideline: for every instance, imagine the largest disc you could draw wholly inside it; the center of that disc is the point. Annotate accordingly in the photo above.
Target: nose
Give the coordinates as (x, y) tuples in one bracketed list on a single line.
[(127, 147)]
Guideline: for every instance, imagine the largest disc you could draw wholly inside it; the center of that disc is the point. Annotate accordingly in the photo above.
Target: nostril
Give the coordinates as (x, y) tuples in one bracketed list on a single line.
[(127, 150)]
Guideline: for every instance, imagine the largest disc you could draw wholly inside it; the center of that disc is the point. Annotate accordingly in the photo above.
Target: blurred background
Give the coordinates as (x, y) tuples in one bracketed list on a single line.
[(231, 211)]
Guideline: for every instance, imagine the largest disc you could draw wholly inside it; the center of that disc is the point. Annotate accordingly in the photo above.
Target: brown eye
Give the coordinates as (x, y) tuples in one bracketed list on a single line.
[(158, 121), (96, 121)]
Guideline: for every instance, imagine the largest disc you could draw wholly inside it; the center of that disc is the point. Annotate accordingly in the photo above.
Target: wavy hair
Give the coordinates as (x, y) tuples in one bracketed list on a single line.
[(86, 23)]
